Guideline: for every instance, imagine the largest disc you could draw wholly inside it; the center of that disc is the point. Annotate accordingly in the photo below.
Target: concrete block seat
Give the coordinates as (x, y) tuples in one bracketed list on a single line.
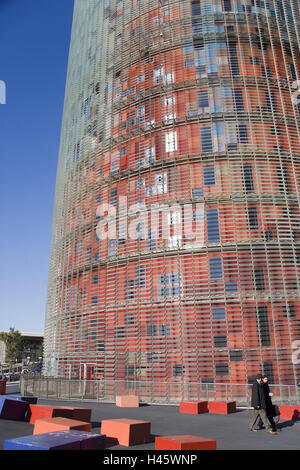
[(13, 409), (30, 400), (43, 412), (193, 407), (128, 432), (222, 407), (127, 401), (290, 412), (42, 426), (184, 442), (60, 440)]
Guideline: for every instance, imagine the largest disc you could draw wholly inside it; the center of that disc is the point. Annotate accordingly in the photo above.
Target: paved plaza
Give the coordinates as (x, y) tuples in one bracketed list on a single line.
[(230, 431)]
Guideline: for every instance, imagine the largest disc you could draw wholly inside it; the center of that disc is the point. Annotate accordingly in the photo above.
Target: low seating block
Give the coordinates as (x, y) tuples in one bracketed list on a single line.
[(60, 440), (12, 409), (43, 412), (290, 412), (30, 400), (42, 426), (127, 401), (220, 407), (193, 407), (128, 432), (184, 442)]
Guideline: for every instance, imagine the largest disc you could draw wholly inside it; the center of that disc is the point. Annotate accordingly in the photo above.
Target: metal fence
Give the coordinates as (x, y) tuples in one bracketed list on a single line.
[(149, 392)]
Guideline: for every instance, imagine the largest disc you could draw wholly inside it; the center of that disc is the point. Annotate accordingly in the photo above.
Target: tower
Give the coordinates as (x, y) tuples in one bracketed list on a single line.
[(176, 237)]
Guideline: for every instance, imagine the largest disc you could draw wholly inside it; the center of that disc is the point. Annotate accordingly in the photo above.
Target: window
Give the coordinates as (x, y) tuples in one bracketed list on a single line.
[(151, 330), (206, 139), (196, 10), (234, 61), (236, 355), (208, 384), (212, 222), (209, 176), (227, 5), (268, 370), (129, 370), (129, 319), (283, 178), (263, 326), (158, 76), (266, 71), (171, 141), (113, 196), (293, 71), (259, 279), (129, 289), (94, 299), (252, 218), (203, 99), (271, 101), (95, 279), (220, 341), (169, 284), (242, 133), (248, 178), (197, 192), (140, 275), (230, 287), (215, 268), (254, 60), (239, 100), (164, 330), (178, 370), (288, 311), (222, 369)]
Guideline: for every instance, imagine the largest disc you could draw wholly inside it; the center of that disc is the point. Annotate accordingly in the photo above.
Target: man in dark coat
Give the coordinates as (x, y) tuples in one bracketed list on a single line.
[(269, 405), (258, 402)]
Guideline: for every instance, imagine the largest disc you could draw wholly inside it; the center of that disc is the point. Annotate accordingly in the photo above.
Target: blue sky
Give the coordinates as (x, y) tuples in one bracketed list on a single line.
[(34, 46)]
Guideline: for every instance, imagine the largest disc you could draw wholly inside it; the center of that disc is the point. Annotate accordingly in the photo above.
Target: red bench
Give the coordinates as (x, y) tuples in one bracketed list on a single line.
[(193, 407), (290, 412), (185, 442), (222, 407)]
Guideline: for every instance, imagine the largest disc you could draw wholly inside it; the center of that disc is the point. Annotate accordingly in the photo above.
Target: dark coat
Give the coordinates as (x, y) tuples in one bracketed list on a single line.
[(258, 399), (268, 399)]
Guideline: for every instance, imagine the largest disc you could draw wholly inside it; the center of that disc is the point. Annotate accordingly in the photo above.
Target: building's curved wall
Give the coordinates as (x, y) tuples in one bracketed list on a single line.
[(180, 126)]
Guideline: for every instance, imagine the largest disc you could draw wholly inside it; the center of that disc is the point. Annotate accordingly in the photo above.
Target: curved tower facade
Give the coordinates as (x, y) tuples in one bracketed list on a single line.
[(176, 237)]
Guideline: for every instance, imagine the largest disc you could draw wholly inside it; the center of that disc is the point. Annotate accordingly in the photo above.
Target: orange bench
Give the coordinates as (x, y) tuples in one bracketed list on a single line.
[(43, 412), (185, 442), (43, 426), (127, 432), (193, 407), (222, 407), (290, 412), (127, 401)]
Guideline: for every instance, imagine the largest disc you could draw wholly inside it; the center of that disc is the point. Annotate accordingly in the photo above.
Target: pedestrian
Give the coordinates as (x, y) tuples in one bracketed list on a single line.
[(258, 402), (269, 404)]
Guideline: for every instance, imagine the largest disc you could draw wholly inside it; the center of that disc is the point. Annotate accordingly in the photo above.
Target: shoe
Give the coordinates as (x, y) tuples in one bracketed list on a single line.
[(253, 430), (272, 432)]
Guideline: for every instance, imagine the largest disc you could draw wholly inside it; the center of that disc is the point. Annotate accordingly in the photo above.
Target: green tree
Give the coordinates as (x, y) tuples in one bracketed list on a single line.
[(14, 345)]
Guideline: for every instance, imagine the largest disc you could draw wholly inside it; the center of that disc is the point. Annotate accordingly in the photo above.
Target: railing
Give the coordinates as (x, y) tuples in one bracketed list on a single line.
[(167, 393)]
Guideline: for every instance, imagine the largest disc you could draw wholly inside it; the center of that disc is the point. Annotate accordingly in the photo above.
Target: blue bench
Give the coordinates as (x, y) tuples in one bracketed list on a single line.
[(30, 400), (59, 440)]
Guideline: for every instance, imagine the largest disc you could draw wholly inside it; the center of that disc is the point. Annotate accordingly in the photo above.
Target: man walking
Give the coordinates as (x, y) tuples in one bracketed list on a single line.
[(258, 402), (269, 405)]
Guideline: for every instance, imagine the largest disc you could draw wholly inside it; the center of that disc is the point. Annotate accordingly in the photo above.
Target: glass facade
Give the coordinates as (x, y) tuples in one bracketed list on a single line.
[(176, 235)]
